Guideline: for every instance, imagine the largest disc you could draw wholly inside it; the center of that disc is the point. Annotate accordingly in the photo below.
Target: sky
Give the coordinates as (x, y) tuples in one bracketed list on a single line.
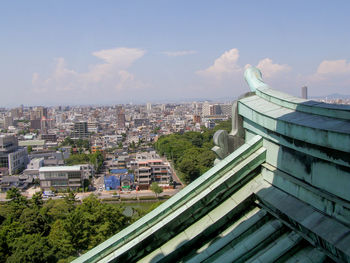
[(109, 52)]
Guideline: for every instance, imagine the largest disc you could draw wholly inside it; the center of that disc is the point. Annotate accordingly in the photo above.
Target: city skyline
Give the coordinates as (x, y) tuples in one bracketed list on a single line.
[(88, 52)]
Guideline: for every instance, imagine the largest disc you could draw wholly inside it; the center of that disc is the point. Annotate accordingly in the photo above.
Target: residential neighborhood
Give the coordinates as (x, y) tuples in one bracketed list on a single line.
[(95, 148)]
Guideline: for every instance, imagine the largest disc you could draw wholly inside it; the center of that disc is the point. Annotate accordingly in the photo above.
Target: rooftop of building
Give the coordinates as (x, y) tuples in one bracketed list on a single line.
[(60, 168)]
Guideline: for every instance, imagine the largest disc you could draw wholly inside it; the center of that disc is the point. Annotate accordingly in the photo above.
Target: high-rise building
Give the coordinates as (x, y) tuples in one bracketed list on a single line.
[(35, 124), (206, 109), (15, 113), (12, 156), (42, 112), (120, 117), (80, 130), (214, 109), (304, 92), (8, 121), (38, 113), (149, 106), (162, 107), (226, 109)]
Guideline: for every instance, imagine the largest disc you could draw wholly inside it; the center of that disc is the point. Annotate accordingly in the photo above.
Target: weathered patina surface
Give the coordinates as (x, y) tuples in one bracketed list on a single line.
[(279, 193)]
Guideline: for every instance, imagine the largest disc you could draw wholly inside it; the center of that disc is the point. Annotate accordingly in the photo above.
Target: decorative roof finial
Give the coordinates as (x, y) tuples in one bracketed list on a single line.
[(254, 79)]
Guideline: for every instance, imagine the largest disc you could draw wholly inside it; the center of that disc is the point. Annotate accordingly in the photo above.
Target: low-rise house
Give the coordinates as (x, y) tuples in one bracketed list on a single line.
[(127, 181), (111, 182), (21, 182)]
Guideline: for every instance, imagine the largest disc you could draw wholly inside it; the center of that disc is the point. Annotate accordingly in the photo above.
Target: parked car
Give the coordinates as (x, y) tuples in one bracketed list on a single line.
[(47, 194)]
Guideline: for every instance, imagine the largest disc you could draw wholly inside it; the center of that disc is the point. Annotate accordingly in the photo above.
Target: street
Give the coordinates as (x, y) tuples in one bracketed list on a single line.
[(101, 194)]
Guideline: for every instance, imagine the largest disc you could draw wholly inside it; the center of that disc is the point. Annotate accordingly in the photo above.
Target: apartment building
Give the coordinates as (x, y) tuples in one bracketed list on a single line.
[(80, 130), (149, 171)]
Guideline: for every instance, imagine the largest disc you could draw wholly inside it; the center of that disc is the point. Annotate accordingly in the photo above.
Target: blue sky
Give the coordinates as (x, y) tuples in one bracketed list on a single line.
[(96, 52)]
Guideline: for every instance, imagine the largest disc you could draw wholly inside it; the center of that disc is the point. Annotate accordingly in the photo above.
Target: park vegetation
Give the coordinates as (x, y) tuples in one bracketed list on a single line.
[(190, 152), (96, 159), (56, 230)]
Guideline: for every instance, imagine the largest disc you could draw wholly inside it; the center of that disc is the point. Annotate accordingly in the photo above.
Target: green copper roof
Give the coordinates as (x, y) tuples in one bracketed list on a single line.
[(282, 196)]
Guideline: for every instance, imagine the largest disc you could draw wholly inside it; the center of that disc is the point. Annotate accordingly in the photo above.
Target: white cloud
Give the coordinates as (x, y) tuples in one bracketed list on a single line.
[(109, 76), (331, 75), (270, 69), (121, 57), (224, 65), (227, 65), (334, 67), (179, 53), (226, 74), (331, 71)]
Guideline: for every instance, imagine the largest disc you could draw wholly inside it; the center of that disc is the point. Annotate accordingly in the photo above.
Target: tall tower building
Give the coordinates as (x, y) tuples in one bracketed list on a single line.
[(215, 109), (149, 106), (15, 113), (304, 92), (226, 109), (8, 121), (81, 130), (42, 112), (121, 120), (162, 107), (206, 109), (120, 117)]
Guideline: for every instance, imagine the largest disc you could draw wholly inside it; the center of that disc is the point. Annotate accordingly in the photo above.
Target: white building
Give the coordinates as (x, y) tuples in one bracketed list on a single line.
[(61, 177), (12, 156), (35, 164)]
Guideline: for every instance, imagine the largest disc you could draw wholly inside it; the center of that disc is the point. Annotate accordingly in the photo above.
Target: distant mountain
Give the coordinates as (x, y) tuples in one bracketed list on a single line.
[(332, 96)]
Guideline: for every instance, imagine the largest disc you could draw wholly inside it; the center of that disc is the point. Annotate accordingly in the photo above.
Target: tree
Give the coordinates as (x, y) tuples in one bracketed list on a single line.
[(190, 152), (70, 199), (56, 231), (57, 209), (189, 170), (59, 239), (15, 195), (31, 248), (96, 159), (30, 149), (37, 199), (68, 141), (156, 189), (33, 222)]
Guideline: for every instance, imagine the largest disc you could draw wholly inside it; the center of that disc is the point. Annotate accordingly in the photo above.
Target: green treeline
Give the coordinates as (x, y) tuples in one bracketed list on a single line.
[(80, 143), (190, 152), (57, 230)]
